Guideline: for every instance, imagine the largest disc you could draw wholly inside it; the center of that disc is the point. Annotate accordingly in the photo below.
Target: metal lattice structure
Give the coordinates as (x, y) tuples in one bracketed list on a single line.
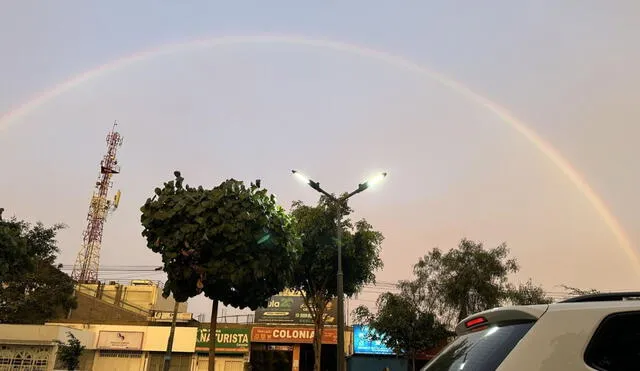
[(85, 270)]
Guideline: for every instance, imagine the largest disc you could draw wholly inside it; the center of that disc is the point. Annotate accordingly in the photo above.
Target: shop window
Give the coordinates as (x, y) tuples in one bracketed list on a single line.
[(26, 357)]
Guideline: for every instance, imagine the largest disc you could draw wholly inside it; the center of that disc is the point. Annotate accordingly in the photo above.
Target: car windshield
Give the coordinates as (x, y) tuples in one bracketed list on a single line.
[(480, 350)]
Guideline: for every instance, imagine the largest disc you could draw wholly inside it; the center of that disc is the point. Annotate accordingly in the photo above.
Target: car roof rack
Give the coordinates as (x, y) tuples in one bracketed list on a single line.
[(609, 296)]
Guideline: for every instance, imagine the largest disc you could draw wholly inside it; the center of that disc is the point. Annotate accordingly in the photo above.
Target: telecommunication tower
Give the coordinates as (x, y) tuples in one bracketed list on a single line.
[(85, 270)]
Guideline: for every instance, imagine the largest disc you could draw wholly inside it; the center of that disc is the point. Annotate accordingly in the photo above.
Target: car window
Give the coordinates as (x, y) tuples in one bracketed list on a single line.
[(480, 350), (616, 343)]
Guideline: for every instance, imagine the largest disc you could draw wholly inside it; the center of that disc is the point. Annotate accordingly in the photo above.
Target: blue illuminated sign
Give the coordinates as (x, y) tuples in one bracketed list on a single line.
[(362, 344)]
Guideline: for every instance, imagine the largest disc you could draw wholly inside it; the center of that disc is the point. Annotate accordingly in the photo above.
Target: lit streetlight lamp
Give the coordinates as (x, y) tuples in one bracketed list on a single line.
[(340, 201)]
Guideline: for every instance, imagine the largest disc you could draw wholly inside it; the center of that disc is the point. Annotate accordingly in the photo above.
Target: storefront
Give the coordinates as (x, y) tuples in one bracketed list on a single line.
[(232, 348), (138, 347), (119, 350), (285, 348), (371, 354)]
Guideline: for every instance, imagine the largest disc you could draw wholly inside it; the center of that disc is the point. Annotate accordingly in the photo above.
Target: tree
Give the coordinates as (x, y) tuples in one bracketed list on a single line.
[(14, 257), (574, 291), (37, 291), (232, 242), (403, 325), (470, 277), (314, 273), (69, 353), (527, 294), (446, 288)]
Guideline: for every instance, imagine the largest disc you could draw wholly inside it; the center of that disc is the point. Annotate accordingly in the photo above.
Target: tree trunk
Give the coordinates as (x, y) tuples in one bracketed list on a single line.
[(413, 361), (318, 327), (172, 332), (464, 305), (212, 336)]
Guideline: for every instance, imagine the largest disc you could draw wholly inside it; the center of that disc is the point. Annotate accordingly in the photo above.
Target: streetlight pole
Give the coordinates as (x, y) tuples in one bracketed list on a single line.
[(340, 202)]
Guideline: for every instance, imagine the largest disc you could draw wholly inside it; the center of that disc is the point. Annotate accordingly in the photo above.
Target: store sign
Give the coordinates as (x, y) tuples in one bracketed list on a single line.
[(168, 317), (228, 340), (362, 343), (290, 308), (296, 335), (120, 340)]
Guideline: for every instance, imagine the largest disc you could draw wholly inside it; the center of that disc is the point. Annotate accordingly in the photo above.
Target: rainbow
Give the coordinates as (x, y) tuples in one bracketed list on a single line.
[(397, 61)]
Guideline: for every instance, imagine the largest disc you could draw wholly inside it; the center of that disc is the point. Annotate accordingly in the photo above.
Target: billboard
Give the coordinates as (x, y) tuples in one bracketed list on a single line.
[(362, 343), (289, 308), (228, 340)]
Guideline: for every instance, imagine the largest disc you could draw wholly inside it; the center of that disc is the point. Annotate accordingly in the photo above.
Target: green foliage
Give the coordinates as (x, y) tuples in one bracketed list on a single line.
[(574, 291), (232, 242), (470, 278), (69, 353), (316, 267), (402, 324), (14, 255), (527, 294), (36, 291), (314, 273), (446, 288)]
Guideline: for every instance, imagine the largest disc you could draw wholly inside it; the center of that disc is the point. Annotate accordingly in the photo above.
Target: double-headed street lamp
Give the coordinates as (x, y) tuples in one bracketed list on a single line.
[(340, 201)]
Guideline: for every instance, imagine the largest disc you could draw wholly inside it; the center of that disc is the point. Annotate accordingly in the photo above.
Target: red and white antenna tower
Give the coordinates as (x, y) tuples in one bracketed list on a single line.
[(85, 270)]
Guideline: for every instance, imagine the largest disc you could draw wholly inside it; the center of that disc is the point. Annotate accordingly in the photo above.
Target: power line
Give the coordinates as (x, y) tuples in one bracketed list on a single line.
[(125, 272)]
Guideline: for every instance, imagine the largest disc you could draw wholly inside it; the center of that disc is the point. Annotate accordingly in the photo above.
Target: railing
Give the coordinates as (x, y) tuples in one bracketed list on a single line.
[(237, 318), (112, 300), (159, 284)]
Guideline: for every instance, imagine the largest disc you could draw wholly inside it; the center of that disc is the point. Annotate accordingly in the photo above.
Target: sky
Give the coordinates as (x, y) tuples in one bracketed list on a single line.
[(568, 69)]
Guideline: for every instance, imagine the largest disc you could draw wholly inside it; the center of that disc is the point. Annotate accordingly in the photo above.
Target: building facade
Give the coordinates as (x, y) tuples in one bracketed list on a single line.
[(126, 327), (141, 347), (137, 347), (34, 347), (232, 347)]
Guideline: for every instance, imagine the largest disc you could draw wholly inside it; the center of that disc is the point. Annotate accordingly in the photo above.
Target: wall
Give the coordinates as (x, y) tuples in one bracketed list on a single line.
[(166, 305), (155, 337), (37, 342), (139, 297), (149, 297), (93, 309), (42, 334)]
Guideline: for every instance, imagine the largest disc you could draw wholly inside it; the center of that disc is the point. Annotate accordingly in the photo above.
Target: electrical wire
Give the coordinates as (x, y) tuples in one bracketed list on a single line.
[(128, 272)]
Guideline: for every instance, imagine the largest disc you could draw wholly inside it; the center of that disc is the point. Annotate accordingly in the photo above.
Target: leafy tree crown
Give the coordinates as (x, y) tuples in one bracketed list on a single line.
[(232, 242)]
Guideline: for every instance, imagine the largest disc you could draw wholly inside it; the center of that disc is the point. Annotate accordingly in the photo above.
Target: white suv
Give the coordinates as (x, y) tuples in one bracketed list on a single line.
[(591, 332)]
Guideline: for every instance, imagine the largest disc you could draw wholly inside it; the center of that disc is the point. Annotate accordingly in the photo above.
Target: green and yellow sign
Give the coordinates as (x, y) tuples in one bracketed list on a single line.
[(289, 308), (228, 340)]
